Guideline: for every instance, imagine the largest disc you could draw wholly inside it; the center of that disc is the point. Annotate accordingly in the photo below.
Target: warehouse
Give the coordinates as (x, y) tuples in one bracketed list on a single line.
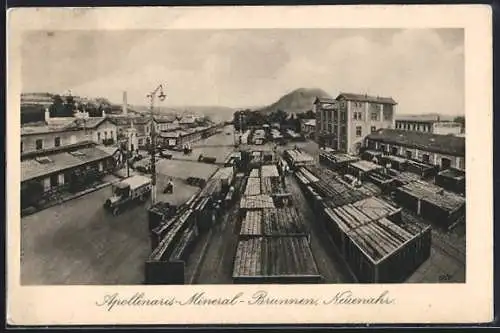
[(444, 151)]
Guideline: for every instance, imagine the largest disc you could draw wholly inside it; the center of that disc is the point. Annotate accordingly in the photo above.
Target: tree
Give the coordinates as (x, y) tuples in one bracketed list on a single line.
[(460, 120)]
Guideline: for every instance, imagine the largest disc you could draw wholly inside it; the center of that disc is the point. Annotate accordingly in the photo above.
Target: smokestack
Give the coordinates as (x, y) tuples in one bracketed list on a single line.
[(124, 106), (47, 115)]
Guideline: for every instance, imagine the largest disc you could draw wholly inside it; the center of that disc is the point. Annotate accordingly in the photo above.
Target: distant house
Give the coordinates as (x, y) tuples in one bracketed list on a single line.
[(308, 127)]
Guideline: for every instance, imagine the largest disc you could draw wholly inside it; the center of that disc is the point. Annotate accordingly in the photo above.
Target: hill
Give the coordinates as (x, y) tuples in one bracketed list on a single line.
[(297, 101)]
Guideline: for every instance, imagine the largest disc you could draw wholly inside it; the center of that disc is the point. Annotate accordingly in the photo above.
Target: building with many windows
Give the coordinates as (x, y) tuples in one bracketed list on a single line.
[(428, 124), (444, 151), (342, 123)]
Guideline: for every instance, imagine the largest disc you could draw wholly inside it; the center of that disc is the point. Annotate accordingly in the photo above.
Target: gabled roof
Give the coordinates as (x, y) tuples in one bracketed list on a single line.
[(366, 98), (444, 144), (31, 168)]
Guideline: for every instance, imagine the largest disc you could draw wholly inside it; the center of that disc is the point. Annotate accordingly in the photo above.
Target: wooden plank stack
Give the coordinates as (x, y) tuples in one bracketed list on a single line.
[(247, 262), (375, 242), (261, 259), (431, 202), (257, 202)]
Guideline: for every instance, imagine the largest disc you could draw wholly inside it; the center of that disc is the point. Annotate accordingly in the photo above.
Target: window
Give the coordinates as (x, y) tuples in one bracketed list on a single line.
[(57, 142), (408, 154), (357, 115), (373, 129), (98, 136), (374, 115), (342, 116), (425, 158), (22, 146), (105, 134), (358, 131), (39, 144), (54, 180), (111, 134)]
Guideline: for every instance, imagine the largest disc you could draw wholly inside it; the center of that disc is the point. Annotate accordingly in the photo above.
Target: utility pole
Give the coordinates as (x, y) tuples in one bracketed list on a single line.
[(152, 96)]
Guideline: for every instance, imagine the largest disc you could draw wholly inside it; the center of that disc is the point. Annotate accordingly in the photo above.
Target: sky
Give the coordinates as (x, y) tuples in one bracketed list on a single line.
[(422, 69)]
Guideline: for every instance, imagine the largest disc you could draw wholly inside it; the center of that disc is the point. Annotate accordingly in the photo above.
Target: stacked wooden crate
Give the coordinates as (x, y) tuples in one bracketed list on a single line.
[(431, 202), (283, 221), (247, 261), (262, 259), (297, 158), (375, 242), (252, 223), (253, 187)]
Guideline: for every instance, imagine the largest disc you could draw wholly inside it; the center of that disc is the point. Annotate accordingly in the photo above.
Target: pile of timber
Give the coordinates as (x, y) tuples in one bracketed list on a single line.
[(275, 259), (374, 241), (431, 202)]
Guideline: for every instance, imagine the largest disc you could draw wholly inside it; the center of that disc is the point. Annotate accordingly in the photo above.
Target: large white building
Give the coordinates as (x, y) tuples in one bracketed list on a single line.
[(428, 124), (342, 123)]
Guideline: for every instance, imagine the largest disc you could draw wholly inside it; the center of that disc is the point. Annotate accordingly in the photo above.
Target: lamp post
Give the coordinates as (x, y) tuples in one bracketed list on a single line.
[(152, 96)]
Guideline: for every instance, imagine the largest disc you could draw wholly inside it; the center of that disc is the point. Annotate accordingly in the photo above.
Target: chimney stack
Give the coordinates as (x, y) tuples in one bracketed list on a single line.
[(124, 106), (47, 115)]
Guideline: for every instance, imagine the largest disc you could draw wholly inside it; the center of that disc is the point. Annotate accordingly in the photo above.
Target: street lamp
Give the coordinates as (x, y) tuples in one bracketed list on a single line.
[(152, 96)]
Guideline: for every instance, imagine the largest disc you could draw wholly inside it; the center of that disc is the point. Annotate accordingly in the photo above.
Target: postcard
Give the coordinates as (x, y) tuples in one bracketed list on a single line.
[(249, 165)]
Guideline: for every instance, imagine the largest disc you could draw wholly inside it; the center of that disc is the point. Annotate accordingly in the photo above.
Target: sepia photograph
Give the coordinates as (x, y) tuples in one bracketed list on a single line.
[(243, 156)]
